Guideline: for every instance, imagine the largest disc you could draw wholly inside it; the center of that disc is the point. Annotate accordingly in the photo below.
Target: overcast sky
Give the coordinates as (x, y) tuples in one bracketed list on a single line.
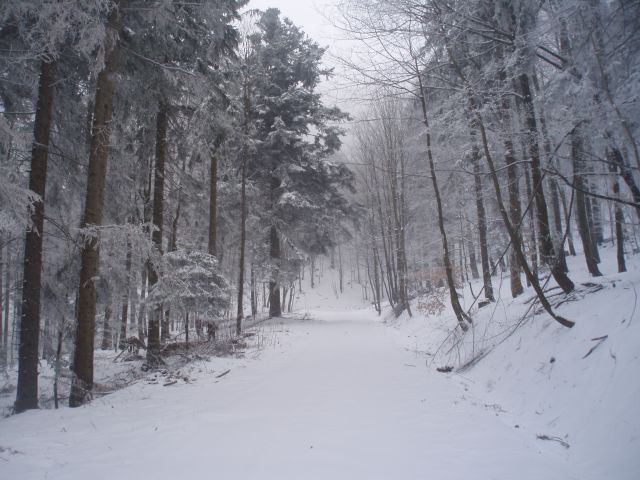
[(307, 14)]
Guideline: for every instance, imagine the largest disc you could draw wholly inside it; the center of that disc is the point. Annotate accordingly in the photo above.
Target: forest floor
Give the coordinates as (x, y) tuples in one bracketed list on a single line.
[(345, 394)]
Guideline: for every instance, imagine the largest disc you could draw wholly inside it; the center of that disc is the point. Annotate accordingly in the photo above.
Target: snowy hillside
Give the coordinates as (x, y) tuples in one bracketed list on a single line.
[(578, 386)]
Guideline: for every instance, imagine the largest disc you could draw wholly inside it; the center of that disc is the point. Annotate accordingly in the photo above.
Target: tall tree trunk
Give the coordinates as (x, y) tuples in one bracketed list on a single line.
[(591, 222), (513, 186), (3, 266), (275, 309), (27, 391), (7, 296), (82, 381), (461, 316), (619, 218), (213, 198), (557, 232), (142, 310), (581, 206), (533, 241), (341, 270), (391, 294), (124, 316), (615, 157), (547, 250), (482, 219), (254, 293), (567, 220), (153, 346), (58, 359), (243, 241), (473, 261), (515, 215), (107, 335)]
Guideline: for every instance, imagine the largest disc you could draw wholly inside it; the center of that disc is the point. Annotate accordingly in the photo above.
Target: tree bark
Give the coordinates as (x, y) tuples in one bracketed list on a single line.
[(581, 205), (157, 316), (82, 381), (142, 310), (107, 336), (213, 199), (254, 293), (461, 316), (7, 294), (124, 315), (243, 241), (3, 267), (615, 156), (275, 309), (27, 390), (482, 219), (619, 218), (533, 241), (547, 250)]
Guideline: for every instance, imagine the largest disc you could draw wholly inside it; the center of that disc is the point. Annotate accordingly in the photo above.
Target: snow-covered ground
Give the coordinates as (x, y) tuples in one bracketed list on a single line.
[(346, 394)]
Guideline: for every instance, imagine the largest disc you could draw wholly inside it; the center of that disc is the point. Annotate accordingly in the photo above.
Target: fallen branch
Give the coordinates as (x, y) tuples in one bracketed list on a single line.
[(223, 373), (597, 339), (553, 439)]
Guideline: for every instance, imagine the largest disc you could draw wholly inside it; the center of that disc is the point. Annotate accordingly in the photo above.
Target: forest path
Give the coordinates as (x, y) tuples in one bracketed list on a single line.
[(334, 397)]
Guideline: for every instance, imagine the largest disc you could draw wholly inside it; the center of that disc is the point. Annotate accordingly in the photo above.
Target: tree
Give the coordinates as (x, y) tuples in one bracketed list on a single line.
[(294, 136), (45, 28), (82, 381)]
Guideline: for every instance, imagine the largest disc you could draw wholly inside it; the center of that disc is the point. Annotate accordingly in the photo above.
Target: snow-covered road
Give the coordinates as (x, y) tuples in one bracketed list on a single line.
[(335, 397)]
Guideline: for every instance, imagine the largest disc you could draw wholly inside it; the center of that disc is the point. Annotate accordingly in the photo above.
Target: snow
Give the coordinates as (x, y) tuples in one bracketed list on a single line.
[(334, 391)]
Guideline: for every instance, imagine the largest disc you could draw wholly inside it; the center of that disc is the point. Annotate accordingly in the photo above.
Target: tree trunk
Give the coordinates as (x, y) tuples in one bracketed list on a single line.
[(124, 316), (142, 311), (107, 335), (153, 345), (340, 269), (213, 199), (619, 219), (591, 221), (254, 293), (513, 187), (461, 316), (547, 250), (473, 261), (581, 205), (482, 219), (58, 360), (615, 157), (82, 381), (567, 220), (3, 266), (243, 241), (533, 241), (275, 309), (165, 331), (27, 390), (5, 339)]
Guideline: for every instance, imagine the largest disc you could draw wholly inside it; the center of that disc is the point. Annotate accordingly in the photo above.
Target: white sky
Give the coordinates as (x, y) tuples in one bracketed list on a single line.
[(307, 14)]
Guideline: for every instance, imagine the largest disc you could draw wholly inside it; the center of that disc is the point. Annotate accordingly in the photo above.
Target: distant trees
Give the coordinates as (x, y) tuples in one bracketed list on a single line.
[(293, 134), (500, 80)]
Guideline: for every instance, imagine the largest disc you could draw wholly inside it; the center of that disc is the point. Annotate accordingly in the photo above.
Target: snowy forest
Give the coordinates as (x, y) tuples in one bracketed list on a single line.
[(180, 200)]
